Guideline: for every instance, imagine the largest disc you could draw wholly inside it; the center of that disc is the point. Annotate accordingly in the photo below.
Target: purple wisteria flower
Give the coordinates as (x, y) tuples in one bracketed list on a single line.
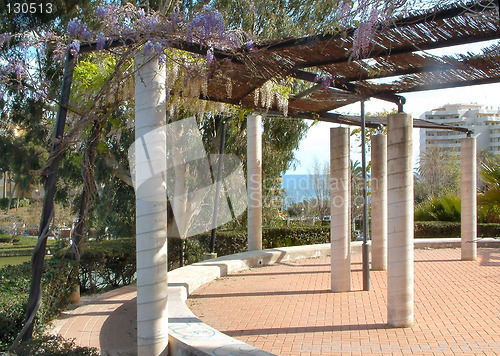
[(149, 23), (363, 36), (162, 59), (250, 46), (206, 24), (101, 11), (5, 38), (154, 46), (77, 29), (101, 41), (325, 80), (74, 27), (74, 47), (18, 68), (210, 56), (41, 94)]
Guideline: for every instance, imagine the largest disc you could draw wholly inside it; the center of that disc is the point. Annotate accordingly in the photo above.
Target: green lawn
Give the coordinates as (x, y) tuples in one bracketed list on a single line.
[(22, 245), (16, 260)]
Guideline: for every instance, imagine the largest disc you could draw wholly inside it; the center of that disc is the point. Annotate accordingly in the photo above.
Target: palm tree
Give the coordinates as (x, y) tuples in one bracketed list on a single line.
[(490, 199)]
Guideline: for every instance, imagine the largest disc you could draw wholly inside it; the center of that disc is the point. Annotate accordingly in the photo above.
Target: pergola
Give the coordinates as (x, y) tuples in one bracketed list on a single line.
[(397, 63)]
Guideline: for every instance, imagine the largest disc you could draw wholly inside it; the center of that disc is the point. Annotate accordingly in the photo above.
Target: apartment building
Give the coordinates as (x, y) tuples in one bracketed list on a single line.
[(484, 121)]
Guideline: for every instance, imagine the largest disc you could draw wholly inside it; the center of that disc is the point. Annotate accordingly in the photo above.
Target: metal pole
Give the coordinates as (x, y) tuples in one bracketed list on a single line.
[(365, 250), (217, 187), (181, 254)]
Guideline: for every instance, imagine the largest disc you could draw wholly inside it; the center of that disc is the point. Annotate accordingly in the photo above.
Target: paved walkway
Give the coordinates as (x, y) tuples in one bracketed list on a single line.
[(107, 323), (287, 309)]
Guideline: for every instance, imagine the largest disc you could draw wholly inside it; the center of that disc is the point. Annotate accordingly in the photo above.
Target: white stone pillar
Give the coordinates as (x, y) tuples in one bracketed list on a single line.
[(379, 202), (151, 209), (469, 199), (254, 176), (400, 278), (340, 227)]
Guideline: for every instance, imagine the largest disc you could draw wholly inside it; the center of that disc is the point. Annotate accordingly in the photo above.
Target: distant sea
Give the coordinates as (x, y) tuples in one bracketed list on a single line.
[(298, 187)]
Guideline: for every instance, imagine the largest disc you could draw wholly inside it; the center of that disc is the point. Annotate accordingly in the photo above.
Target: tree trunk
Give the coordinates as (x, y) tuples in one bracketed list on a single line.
[(11, 196), (88, 188)]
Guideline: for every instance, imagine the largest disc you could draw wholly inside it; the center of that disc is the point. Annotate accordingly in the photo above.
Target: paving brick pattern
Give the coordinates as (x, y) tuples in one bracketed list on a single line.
[(107, 323), (288, 309)]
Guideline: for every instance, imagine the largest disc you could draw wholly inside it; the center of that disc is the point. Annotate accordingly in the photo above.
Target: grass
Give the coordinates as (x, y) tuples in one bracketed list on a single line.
[(22, 245), (15, 260)]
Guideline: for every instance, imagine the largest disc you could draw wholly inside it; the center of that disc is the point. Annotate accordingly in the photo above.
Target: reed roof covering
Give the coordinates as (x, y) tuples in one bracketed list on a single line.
[(397, 63)]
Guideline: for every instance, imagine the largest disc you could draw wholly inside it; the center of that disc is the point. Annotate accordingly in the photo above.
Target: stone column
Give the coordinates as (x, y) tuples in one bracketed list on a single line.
[(151, 207), (400, 221), (469, 199), (254, 176), (339, 209), (379, 202)]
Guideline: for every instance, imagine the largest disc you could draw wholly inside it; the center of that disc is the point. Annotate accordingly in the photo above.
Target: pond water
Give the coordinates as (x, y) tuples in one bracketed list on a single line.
[(16, 260)]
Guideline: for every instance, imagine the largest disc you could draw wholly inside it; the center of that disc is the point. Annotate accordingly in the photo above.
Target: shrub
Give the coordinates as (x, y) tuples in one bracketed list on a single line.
[(58, 282), (107, 264), (47, 345), (446, 207), (439, 229), (283, 237), (428, 229)]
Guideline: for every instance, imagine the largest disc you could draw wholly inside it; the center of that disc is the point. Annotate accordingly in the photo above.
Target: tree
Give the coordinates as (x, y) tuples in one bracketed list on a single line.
[(320, 179), (490, 199), (438, 173)]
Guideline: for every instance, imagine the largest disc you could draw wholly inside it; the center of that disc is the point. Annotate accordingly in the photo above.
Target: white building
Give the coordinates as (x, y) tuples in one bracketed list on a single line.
[(480, 119)]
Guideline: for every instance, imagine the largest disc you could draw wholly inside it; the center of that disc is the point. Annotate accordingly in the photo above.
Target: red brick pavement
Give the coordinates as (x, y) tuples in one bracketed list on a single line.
[(288, 309), (107, 323)]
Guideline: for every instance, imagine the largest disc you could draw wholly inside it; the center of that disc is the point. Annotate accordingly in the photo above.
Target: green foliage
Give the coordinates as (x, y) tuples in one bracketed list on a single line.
[(438, 173), (490, 199), (58, 282), (107, 264), (436, 229), (285, 237), (48, 345), (439, 229), (113, 214), (446, 207), (90, 75)]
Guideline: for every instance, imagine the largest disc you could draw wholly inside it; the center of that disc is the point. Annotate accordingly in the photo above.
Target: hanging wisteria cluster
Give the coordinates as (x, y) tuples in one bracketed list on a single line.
[(272, 92), (150, 32)]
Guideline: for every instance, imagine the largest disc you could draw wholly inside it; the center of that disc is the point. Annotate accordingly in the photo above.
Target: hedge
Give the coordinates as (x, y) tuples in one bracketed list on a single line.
[(440, 229), (107, 264), (230, 242)]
